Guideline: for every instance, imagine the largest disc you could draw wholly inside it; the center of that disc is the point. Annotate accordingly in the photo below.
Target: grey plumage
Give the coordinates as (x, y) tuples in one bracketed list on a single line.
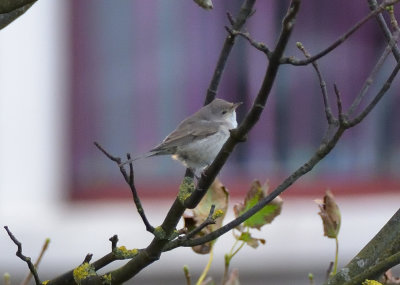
[(198, 139)]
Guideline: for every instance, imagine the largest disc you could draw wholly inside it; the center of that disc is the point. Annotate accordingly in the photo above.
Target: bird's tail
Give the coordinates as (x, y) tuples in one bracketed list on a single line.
[(145, 155)]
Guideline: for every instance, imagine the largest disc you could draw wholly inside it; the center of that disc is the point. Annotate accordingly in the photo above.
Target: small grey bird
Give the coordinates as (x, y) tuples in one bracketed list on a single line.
[(198, 139)]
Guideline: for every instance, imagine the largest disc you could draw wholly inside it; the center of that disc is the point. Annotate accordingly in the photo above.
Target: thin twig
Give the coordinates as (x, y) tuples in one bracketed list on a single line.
[(205, 223), (292, 60), (238, 22), (187, 275), (376, 99), (342, 117), (328, 112), (230, 18), (114, 241), (88, 258), (329, 270), (23, 257), (393, 20), (385, 29), (373, 74), (130, 180), (258, 45)]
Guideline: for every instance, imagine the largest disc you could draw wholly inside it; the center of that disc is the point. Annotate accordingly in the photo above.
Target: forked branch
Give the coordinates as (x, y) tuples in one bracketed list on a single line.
[(379, 9), (131, 182)]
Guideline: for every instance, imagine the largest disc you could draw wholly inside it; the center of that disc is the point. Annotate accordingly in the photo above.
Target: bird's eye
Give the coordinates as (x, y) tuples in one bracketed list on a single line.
[(224, 112)]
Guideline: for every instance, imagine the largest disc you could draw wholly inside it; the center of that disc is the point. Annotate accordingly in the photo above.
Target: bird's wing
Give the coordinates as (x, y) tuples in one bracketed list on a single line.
[(187, 132)]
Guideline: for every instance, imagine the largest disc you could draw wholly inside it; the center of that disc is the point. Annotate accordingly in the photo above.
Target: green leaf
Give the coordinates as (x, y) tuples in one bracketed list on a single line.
[(249, 239), (266, 214)]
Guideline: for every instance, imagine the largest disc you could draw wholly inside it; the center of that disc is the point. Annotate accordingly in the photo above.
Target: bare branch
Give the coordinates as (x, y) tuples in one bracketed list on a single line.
[(258, 45), (373, 74), (230, 18), (208, 221), (376, 99), (328, 112), (238, 22), (393, 20), (342, 117), (130, 180), (114, 241), (340, 40), (118, 160), (385, 29), (23, 257), (88, 258), (252, 117), (153, 251)]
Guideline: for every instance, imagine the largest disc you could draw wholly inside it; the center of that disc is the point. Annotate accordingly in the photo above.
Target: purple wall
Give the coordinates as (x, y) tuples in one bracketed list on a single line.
[(140, 67)]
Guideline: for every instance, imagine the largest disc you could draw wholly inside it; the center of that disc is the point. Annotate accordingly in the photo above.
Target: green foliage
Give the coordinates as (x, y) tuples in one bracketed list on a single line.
[(218, 196), (266, 214)]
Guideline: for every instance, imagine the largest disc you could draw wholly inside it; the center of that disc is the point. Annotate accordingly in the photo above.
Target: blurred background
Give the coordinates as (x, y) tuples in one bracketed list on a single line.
[(125, 74)]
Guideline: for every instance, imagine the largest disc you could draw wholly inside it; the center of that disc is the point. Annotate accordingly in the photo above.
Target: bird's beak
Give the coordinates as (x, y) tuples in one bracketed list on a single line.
[(235, 105)]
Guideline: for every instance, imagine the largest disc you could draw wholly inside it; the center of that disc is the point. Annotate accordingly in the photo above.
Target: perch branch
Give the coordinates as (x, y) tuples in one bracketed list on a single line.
[(153, 251), (252, 117), (323, 150), (23, 257), (340, 40), (130, 180)]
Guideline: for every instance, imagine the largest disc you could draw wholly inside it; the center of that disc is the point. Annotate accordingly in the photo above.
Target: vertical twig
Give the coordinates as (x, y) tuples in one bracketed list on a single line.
[(238, 22), (328, 112), (23, 257)]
